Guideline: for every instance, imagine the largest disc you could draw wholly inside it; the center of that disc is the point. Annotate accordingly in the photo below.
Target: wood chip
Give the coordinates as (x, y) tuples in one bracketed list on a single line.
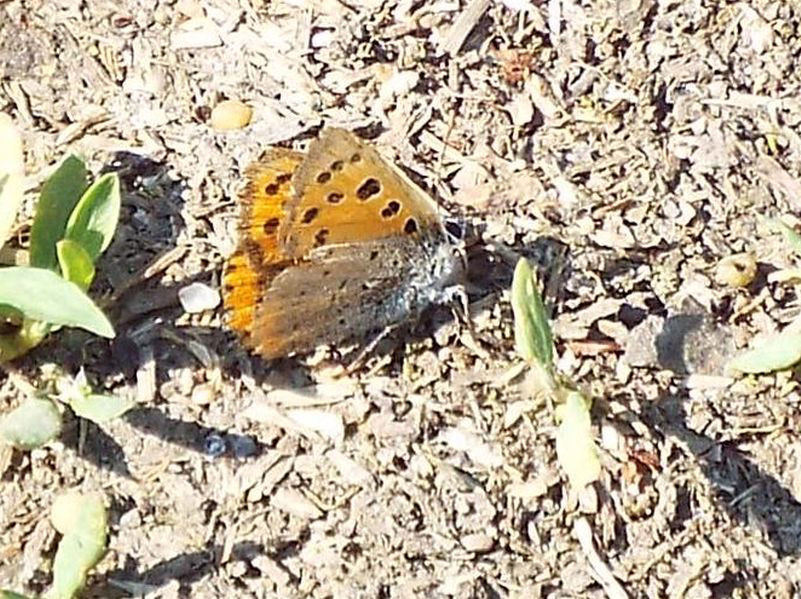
[(775, 176), (295, 503), (463, 25), (199, 32)]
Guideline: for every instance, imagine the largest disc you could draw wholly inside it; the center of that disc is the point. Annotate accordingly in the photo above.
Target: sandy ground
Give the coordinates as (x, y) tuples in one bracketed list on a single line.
[(625, 147)]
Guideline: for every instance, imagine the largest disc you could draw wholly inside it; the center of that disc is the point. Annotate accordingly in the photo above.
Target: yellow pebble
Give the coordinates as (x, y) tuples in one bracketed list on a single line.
[(230, 114), (737, 270)]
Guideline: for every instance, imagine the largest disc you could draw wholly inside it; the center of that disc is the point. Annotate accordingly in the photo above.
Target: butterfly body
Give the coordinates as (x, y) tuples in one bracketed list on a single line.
[(336, 246)]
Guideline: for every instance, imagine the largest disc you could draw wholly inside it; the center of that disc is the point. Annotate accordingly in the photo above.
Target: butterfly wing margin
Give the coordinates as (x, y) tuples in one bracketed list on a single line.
[(328, 299), (258, 258)]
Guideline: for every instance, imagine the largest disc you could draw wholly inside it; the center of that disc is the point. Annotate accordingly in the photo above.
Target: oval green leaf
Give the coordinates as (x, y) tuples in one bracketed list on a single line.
[(59, 195), (32, 424), (533, 337), (776, 353), (100, 408), (94, 219), (575, 446), (41, 294), (75, 262), (83, 521)]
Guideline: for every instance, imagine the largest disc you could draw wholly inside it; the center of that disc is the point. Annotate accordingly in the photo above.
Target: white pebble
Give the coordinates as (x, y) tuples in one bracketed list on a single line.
[(198, 297)]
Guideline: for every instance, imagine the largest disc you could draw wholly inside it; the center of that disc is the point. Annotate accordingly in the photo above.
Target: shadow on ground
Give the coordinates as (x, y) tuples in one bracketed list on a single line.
[(186, 568)]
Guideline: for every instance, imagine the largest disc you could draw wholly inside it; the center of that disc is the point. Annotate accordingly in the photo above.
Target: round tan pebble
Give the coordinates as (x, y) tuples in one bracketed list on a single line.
[(230, 114), (202, 394), (737, 270), (477, 542)]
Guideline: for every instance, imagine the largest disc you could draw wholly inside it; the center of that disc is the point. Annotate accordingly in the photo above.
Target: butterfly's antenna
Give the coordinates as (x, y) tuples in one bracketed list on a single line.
[(441, 157)]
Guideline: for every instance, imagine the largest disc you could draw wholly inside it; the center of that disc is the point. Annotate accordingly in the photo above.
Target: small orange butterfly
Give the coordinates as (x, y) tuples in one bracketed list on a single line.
[(336, 245)]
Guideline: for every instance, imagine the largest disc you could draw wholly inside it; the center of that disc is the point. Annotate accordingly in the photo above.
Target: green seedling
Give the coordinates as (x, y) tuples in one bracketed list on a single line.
[(575, 446), (782, 350), (79, 396), (82, 521), (74, 223), (37, 420)]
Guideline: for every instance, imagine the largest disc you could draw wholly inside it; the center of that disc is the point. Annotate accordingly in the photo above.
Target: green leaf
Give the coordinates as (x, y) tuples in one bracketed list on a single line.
[(60, 193), (4, 594), (75, 262), (790, 234), (94, 220), (42, 295), (12, 172), (775, 353), (18, 343), (575, 446), (100, 408), (532, 332), (82, 519), (32, 424)]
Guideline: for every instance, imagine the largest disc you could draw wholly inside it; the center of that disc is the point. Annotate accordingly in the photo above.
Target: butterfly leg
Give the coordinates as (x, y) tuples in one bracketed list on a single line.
[(365, 352), (456, 298)]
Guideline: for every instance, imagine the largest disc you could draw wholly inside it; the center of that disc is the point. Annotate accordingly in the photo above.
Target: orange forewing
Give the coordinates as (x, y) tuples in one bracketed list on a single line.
[(346, 192), (259, 257)]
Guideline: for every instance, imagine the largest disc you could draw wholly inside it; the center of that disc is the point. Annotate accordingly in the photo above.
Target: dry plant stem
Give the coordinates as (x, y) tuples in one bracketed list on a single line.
[(157, 266), (464, 25), (612, 587)]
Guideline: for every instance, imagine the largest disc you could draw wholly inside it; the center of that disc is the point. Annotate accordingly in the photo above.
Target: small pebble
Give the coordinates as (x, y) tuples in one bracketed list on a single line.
[(202, 394), (230, 114), (131, 519), (737, 270), (214, 446), (237, 569), (198, 297), (477, 542), (322, 38)]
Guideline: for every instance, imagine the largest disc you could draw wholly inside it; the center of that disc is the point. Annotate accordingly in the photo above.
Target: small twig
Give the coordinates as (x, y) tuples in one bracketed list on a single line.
[(774, 175), (611, 586), (464, 25), (158, 265)]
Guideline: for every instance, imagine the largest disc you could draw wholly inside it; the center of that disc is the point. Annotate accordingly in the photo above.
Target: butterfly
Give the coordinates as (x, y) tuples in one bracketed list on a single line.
[(336, 245)]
